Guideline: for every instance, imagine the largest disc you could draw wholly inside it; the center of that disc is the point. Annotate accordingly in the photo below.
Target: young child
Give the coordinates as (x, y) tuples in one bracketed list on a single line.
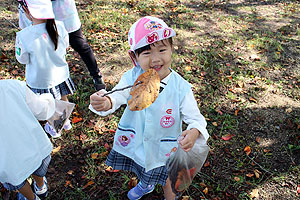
[(42, 47), (65, 10), (24, 147), (145, 139)]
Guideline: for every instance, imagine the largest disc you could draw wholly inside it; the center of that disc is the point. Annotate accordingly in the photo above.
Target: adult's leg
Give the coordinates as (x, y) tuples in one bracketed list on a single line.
[(79, 44)]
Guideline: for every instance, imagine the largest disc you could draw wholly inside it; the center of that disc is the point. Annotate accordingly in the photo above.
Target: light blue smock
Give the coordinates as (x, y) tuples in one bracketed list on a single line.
[(45, 67), (149, 136), (23, 142)]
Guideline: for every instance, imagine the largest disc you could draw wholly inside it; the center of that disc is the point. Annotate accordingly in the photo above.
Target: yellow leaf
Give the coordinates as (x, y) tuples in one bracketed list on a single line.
[(205, 191), (94, 155), (145, 90), (188, 68), (215, 123), (55, 150)]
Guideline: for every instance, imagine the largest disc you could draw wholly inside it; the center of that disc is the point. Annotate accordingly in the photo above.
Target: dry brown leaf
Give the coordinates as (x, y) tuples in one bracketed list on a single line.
[(254, 193), (247, 150), (257, 173), (144, 91), (94, 155), (237, 179)]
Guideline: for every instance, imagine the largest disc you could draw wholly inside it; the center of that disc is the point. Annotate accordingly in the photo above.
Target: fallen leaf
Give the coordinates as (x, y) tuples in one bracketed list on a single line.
[(88, 183), (76, 119), (132, 182), (227, 137), (249, 175), (110, 169), (298, 189), (237, 179), (68, 183), (205, 191), (236, 112), (206, 164), (254, 193), (144, 91), (188, 68), (70, 172), (94, 155), (55, 150), (257, 173), (252, 99), (247, 149), (215, 123), (185, 197)]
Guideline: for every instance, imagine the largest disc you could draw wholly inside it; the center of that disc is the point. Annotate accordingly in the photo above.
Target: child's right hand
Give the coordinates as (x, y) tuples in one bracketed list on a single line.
[(100, 103)]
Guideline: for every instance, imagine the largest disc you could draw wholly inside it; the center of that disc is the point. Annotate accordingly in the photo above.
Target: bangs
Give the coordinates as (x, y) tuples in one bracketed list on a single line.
[(148, 47)]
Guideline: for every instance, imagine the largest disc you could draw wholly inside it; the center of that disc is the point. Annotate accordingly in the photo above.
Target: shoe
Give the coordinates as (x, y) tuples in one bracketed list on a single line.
[(67, 125), (98, 83), (20, 196), (49, 129), (138, 191), (43, 191)]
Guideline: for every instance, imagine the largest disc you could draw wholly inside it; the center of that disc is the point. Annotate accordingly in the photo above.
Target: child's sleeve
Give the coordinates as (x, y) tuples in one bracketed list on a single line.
[(42, 106), (192, 116), (21, 54), (117, 98)]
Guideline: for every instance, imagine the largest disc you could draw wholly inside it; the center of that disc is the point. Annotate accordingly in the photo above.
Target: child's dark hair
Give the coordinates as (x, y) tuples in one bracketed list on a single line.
[(52, 31), (148, 47)]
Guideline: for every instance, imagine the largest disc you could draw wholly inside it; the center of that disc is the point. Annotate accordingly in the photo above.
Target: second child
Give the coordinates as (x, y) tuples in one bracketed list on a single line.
[(42, 47)]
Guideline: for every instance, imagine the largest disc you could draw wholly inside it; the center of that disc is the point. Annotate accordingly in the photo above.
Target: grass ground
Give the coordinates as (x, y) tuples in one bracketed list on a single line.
[(242, 58)]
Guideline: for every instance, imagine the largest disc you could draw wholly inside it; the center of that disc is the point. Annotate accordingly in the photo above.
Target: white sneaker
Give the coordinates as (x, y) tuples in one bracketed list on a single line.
[(67, 125), (49, 129)]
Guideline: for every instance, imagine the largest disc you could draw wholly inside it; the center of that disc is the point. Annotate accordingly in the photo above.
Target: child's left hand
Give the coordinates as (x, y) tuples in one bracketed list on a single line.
[(189, 139)]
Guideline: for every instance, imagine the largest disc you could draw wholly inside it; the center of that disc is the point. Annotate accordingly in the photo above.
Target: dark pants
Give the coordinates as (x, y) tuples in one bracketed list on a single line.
[(79, 44)]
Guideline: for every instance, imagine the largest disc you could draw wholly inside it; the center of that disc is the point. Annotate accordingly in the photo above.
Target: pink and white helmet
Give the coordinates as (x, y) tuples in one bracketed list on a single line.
[(148, 30)]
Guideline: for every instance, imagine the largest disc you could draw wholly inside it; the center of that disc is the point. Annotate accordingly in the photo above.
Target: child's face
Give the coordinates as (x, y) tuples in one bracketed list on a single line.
[(158, 58)]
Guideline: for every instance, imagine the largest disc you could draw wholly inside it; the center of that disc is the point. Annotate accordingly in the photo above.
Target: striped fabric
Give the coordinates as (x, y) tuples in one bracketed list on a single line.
[(120, 162), (41, 171), (65, 88)]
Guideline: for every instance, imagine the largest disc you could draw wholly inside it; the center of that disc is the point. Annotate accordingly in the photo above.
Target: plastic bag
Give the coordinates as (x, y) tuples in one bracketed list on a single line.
[(183, 166), (63, 110)]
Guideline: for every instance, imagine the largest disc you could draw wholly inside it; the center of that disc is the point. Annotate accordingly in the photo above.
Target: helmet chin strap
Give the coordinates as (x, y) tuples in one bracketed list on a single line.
[(132, 58)]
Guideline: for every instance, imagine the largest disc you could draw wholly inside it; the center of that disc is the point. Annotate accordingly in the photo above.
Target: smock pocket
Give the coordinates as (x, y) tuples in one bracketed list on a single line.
[(167, 147), (125, 139)]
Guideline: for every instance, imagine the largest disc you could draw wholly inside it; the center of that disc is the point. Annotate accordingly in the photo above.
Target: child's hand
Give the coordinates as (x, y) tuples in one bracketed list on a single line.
[(100, 103), (188, 139)]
